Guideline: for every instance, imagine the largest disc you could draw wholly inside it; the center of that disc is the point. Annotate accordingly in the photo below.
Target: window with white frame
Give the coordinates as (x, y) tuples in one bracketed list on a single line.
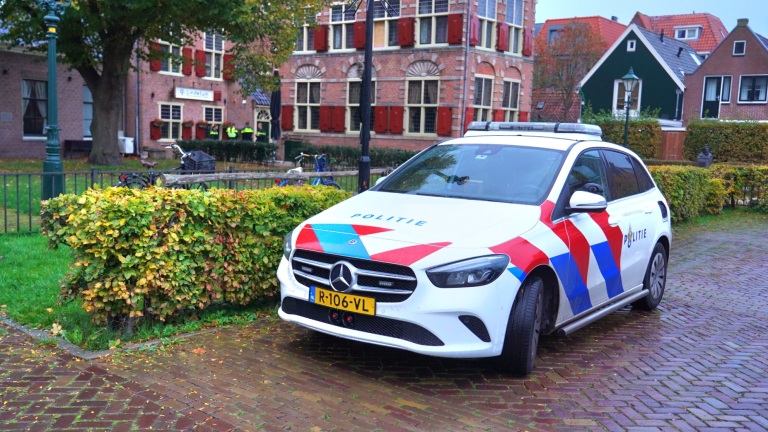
[(385, 16), (510, 100), (486, 11), (305, 40), (308, 105), (87, 112), (213, 115), (214, 55), (433, 22), (753, 88), (483, 110), (354, 120), (631, 45), (342, 27), (422, 105), (34, 107), (739, 48), (725, 94), (687, 33), (620, 97), (171, 116), (170, 64), (514, 17)]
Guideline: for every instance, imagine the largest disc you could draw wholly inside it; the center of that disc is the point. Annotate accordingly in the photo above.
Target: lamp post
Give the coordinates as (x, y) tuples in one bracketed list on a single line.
[(630, 80), (364, 174), (53, 179)]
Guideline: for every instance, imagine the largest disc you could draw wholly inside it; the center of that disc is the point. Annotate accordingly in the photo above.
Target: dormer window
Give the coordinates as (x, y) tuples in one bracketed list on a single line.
[(687, 33), (739, 48)]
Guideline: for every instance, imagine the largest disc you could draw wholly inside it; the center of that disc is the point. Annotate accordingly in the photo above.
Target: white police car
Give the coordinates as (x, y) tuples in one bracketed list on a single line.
[(478, 244)]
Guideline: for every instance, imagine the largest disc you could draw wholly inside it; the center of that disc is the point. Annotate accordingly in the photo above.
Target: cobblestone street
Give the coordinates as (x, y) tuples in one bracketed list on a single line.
[(698, 363)]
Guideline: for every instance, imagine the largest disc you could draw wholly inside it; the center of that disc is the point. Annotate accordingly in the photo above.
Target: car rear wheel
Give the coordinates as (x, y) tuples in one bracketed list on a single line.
[(523, 329), (655, 279)]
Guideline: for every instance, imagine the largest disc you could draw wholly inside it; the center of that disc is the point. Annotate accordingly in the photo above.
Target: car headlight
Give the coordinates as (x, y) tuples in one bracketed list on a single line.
[(287, 247), (469, 273)]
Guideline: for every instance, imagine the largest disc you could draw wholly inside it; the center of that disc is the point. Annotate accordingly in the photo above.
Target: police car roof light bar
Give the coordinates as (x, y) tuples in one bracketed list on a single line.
[(589, 129)]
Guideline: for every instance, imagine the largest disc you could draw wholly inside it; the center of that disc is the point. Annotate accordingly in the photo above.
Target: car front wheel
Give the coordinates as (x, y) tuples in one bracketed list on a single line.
[(523, 329)]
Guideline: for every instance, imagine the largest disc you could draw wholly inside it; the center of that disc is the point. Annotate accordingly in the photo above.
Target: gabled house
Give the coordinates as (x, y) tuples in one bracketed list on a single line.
[(702, 31), (548, 103), (731, 83), (660, 62)]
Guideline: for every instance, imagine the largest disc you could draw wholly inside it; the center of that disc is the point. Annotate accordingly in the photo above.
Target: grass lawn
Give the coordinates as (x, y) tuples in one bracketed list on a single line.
[(29, 290)]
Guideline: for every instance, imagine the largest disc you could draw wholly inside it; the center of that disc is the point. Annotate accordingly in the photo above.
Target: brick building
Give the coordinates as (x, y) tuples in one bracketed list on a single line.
[(437, 65)]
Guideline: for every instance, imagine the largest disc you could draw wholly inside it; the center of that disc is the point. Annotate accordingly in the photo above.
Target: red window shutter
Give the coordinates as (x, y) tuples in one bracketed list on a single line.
[(474, 31), (325, 119), (338, 119), (455, 28), (528, 42), (498, 115), (186, 132), (359, 35), (405, 31), (396, 120), (200, 132), (186, 65), (200, 63), (444, 120), (217, 95), (502, 41), (321, 38), (469, 114), (155, 132), (228, 68), (155, 64), (524, 116), (380, 119), (286, 117)]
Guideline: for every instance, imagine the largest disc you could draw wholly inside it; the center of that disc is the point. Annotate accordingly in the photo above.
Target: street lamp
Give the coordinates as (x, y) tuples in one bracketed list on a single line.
[(53, 179), (630, 80)]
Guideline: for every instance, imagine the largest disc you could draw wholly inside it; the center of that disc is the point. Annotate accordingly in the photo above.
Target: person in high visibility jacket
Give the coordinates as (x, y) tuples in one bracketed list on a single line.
[(231, 132), (213, 132), (261, 134), (246, 133)]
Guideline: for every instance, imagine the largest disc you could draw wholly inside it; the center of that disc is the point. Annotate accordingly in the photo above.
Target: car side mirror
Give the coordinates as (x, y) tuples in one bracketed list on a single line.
[(588, 202)]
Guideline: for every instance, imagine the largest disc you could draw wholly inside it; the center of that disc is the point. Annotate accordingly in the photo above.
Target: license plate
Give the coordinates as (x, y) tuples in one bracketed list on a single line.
[(342, 301)]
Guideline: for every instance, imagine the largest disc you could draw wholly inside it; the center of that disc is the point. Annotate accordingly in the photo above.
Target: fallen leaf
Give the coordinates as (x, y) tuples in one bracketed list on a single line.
[(199, 351)]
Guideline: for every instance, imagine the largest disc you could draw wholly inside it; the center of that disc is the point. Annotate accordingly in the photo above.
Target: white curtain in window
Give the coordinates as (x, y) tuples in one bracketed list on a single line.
[(314, 93), (42, 102), (26, 93), (431, 92)]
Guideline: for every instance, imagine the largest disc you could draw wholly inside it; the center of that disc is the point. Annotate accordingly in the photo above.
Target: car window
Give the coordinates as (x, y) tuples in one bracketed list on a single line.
[(621, 175), (643, 178), (479, 171), (588, 169)]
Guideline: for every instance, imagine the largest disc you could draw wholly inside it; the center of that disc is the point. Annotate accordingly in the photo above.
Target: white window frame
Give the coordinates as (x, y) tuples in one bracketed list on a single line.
[(486, 12), (305, 40), (307, 110), (743, 45), (432, 22), (342, 27), (43, 110), (214, 56), (483, 102), (170, 65), (354, 105), (87, 116), (510, 101), (210, 114), (171, 129), (514, 18), (688, 33), (631, 45), (427, 111), (619, 95), (725, 89), (764, 89), (385, 23)]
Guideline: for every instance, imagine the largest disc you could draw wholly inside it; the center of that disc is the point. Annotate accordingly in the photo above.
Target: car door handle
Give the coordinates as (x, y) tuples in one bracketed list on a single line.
[(614, 220)]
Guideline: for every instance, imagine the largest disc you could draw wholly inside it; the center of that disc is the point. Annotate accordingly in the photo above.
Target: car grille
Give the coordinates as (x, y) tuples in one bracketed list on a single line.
[(387, 283), (369, 324)]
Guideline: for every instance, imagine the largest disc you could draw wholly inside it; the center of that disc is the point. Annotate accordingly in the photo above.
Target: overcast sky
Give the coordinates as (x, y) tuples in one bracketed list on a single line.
[(727, 10)]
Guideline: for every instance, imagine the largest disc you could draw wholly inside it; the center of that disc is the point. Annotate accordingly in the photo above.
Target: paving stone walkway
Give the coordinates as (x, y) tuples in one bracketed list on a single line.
[(698, 363)]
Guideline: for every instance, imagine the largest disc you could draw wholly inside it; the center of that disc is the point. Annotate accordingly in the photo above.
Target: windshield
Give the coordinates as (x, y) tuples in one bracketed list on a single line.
[(479, 171)]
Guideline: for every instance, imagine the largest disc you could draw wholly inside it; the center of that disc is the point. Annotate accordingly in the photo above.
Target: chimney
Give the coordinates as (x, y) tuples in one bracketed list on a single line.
[(662, 36), (679, 51), (614, 18), (742, 22)]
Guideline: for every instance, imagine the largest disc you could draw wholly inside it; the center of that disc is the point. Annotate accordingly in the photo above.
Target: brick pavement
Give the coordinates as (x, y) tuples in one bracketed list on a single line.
[(699, 363)]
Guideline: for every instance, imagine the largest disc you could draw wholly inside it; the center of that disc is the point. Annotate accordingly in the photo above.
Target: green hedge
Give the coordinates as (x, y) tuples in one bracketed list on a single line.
[(745, 185), (739, 142), (232, 150), (157, 252)]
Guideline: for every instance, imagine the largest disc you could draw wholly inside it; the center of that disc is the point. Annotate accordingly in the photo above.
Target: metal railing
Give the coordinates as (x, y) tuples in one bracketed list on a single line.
[(20, 192)]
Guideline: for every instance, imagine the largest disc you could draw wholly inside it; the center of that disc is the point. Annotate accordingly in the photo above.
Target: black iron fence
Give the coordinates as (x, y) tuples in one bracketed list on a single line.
[(21, 192)]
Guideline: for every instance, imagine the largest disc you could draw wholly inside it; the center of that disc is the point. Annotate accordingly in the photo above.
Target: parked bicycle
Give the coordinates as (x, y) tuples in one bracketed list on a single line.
[(191, 162), (320, 165)]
